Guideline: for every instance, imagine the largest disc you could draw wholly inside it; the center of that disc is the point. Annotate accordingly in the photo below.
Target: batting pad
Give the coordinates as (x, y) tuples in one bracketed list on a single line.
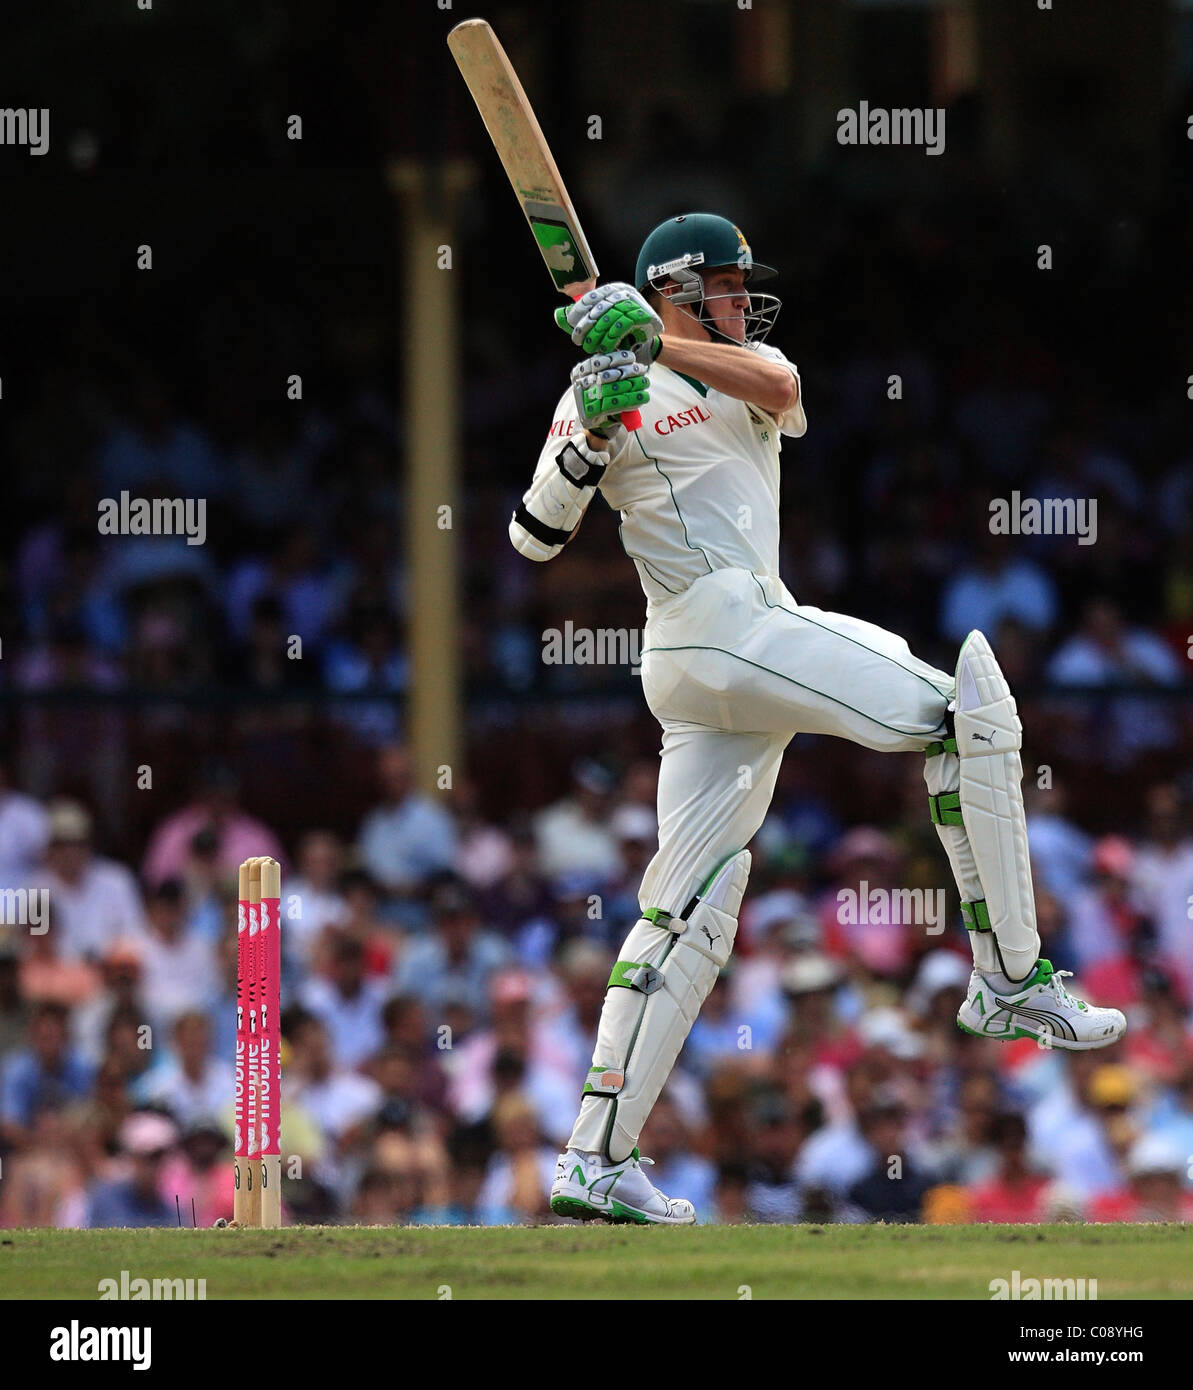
[(942, 773), (655, 992), (989, 736)]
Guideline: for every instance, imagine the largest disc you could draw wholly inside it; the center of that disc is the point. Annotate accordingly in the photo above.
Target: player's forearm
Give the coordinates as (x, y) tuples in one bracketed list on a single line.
[(734, 370)]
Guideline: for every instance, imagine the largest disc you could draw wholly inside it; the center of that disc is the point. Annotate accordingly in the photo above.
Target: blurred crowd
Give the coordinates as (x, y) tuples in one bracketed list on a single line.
[(442, 979)]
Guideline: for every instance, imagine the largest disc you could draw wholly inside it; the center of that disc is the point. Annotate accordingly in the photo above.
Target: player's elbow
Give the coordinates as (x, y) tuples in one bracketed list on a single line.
[(533, 540), (782, 392)]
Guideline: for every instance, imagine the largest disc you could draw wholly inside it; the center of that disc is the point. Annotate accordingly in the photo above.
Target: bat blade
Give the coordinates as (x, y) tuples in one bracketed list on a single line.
[(523, 150), (524, 153)]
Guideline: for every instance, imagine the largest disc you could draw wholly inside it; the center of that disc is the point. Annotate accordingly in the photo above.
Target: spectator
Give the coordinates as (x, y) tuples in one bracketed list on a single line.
[(95, 1123), (861, 915), (347, 1004), (567, 1032), (485, 854), (469, 1149), (1155, 1168), (128, 1041), (574, 835), (338, 1100), (786, 934), (45, 975), (14, 1005), (1106, 651), (1160, 1043), (383, 1199), (836, 1155), (405, 1027), (1171, 1118), (723, 1030), (95, 901), (180, 967), (1088, 1156), (1000, 585), (519, 1174), (381, 938), (193, 1084), (135, 1197), (521, 898), (47, 1072), (774, 1192), (1108, 928), (966, 1152), (812, 983), (1162, 873), (368, 659), (894, 1186), (408, 838), (216, 809), (548, 1082), (405, 1143), (636, 830), (732, 1194), (454, 961), (313, 897), (200, 1170), (1015, 1193), (24, 834), (122, 988), (44, 1180), (1059, 848)]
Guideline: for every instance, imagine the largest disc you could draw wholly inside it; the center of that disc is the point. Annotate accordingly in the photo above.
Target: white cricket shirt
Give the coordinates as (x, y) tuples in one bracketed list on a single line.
[(698, 485)]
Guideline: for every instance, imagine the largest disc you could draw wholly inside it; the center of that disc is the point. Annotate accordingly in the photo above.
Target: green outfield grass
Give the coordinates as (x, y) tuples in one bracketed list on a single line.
[(914, 1262)]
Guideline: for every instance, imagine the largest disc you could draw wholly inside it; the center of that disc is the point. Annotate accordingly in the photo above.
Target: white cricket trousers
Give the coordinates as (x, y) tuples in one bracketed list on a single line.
[(732, 669)]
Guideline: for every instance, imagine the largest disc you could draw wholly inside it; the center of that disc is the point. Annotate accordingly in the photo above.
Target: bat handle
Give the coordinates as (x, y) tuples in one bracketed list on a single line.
[(631, 419)]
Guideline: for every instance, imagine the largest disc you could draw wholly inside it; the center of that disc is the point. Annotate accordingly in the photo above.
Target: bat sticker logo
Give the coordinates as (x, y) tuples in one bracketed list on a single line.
[(561, 256)]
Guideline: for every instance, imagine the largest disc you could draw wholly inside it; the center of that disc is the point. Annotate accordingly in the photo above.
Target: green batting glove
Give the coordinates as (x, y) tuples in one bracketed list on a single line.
[(607, 385), (608, 318)]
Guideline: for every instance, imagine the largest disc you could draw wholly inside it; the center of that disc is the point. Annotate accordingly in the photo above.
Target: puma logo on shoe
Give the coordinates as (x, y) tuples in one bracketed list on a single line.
[(984, 739), (711, 937)]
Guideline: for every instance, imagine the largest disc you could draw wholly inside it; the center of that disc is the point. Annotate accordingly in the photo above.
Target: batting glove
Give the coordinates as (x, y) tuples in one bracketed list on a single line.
[(607, 385), (609, 317)]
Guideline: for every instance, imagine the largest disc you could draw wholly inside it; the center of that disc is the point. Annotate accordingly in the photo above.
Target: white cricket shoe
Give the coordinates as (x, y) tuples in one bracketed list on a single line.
[(1039, 1007), (586, 1187)]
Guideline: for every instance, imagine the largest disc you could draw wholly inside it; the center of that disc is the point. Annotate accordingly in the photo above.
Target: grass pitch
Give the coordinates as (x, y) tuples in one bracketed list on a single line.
[(595, 1262)]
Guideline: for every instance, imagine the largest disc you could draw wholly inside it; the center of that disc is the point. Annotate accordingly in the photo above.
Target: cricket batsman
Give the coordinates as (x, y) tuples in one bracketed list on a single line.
[(733, 666)]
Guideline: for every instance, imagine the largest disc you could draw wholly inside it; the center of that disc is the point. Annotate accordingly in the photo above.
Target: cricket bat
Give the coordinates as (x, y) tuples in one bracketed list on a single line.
[(526, 157)]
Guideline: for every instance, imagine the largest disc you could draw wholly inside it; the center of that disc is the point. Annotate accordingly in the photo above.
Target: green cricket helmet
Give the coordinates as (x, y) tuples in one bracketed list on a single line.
[(675, 250)]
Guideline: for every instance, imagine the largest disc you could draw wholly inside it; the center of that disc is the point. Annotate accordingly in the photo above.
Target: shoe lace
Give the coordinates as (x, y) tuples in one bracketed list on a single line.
[(1062, 993)]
